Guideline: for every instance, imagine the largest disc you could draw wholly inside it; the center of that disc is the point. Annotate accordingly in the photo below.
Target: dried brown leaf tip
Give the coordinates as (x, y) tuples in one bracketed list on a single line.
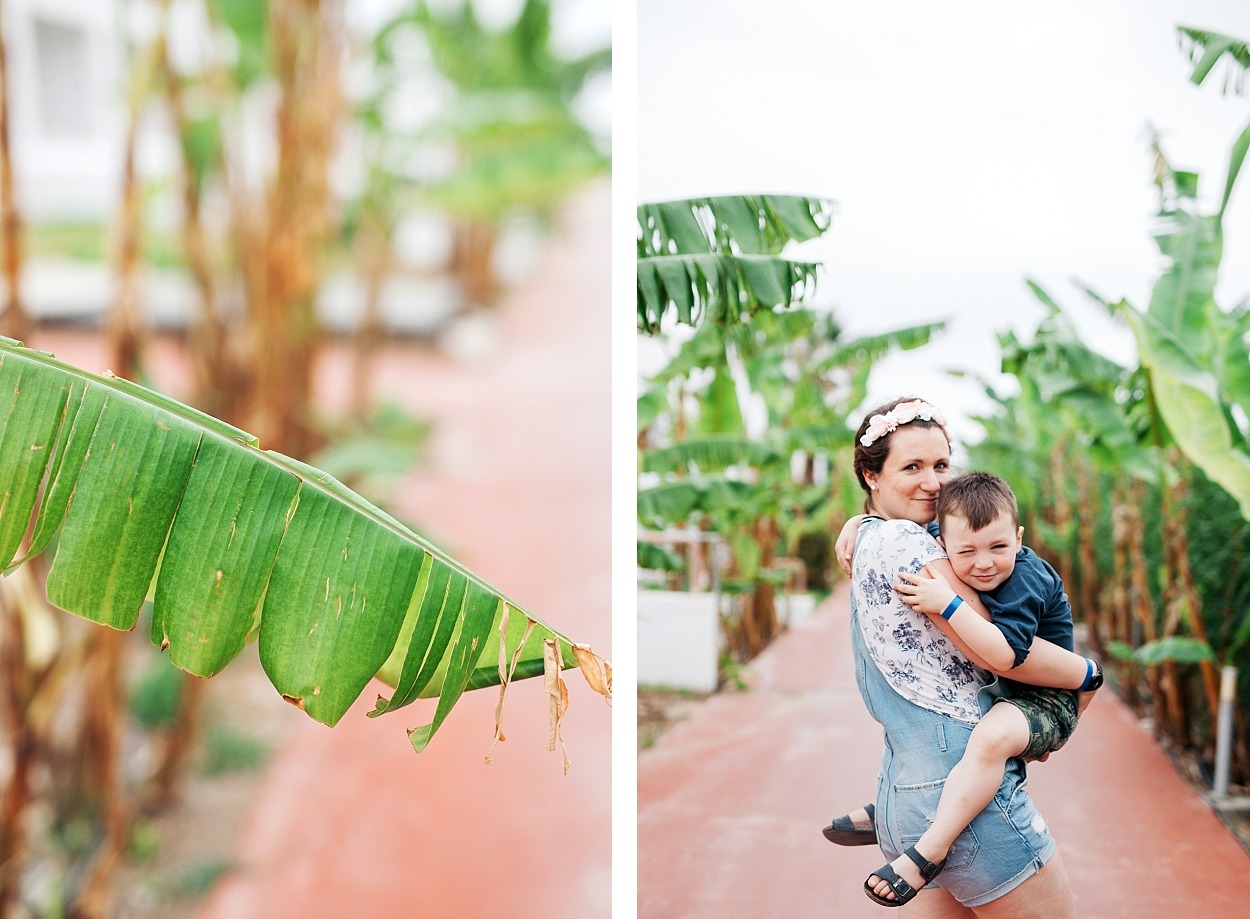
[(558, 696), (506, 670), (596, 670)]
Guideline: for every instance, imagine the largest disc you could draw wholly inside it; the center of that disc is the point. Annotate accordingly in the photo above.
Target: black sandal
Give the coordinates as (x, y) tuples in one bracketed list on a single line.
[(843, 832), (904, 891)]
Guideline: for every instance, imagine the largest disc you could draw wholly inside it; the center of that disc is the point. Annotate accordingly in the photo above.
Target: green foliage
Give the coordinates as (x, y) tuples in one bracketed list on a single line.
[(227, 750), (657, 558), (510, 113), (369, 455), (129, 478), (718, 264), (247, 22), (1195, 354), (1171, 425), (89, 242), (197, 880), (1218, 535), (1177, 648), (720, 258), (145, 843), (203, 145), (731, 672), (154, 695), (1206, 49)]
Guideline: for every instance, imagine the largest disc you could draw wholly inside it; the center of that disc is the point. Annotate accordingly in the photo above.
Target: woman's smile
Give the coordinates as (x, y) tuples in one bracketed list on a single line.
[(918, 466)]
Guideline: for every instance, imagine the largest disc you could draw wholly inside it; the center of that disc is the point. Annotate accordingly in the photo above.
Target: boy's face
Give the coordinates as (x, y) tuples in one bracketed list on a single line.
[(983, 558)]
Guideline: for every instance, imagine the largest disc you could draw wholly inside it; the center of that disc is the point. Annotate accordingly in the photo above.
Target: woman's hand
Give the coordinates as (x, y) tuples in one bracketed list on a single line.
[(928, 595)]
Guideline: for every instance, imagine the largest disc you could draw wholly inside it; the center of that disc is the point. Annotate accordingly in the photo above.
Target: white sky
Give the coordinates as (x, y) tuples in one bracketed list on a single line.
[(968, 145)]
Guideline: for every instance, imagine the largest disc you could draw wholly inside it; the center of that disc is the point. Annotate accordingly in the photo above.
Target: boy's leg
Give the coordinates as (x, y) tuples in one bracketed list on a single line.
[(1003, 732)]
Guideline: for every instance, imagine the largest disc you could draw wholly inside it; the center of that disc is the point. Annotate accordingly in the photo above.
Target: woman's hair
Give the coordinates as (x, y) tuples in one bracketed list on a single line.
[(871, 456), (979, 498)]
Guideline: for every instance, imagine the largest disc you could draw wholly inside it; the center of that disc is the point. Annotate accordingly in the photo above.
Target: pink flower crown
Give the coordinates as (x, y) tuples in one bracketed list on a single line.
[(880, 425)]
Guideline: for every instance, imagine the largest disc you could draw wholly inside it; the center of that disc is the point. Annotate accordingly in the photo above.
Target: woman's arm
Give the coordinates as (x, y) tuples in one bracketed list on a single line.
[(1047, 663)]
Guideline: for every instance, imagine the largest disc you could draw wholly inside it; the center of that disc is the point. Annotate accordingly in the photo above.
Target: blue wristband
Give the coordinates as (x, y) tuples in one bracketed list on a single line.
[(1089, 675), (952, 606)]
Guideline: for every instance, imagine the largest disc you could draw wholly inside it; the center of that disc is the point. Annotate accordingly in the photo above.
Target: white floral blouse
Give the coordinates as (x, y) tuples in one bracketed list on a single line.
[(922, 664)]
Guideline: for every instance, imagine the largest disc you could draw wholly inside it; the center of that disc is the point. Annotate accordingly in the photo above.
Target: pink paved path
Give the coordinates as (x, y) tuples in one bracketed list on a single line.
[(350, 821), (732, 800)]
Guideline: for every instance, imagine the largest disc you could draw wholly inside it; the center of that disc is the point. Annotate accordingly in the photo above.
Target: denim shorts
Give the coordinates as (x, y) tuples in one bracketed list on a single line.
[(1006, 844), (1051, 714)]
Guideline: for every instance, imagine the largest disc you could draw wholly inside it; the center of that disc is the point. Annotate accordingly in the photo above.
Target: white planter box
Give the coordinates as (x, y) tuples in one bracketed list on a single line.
[(679, 639), (796, 609)]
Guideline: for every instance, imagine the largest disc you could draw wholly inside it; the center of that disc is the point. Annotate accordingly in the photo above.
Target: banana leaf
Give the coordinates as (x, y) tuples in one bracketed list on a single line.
[(708, 452), (750, 224), (720, 288), (719, 258), (147, 497), (1188, 399)]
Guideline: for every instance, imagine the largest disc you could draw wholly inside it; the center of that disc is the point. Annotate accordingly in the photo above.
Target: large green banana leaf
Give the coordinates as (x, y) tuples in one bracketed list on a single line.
[(721, 288), (147, 497), (719, 258), (1188, 397)]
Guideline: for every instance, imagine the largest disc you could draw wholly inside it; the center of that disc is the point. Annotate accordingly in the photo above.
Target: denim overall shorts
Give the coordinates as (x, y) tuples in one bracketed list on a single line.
[(1005, 844)]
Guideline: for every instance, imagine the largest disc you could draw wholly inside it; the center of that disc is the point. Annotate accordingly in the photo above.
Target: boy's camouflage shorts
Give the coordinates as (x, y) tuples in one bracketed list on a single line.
[(1051, 714)]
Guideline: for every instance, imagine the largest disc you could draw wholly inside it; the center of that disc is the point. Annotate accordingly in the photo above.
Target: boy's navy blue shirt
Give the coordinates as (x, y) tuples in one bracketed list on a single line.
[(1030, 603)]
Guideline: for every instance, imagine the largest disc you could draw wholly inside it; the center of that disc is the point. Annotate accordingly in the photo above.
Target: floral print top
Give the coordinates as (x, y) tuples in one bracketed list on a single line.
[(922, 664)]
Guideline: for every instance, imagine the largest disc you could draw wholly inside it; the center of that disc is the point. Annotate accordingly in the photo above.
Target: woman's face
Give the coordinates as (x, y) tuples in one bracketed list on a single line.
[(916, 468)]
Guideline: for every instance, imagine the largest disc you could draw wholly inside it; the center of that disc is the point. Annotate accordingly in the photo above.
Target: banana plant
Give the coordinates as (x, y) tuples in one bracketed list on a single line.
[(719, 258), (1195, 353), (143, 496)]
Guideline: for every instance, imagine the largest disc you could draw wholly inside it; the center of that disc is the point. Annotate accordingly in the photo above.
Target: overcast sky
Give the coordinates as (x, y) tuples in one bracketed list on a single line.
[(967, 145)]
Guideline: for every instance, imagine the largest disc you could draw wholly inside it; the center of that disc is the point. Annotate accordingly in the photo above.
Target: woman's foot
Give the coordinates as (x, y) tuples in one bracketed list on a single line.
[(854, 829), (898, 882)]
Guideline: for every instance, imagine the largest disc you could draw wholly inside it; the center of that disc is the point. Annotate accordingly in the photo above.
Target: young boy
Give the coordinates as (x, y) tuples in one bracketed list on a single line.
[(979, 525)]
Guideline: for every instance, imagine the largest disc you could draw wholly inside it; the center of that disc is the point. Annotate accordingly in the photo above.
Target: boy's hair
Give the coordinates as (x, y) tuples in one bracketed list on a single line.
[(978, 498)]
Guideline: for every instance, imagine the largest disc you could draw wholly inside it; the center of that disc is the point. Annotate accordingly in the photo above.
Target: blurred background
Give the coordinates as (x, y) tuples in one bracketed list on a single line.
[(1033, 215), (375, 235)]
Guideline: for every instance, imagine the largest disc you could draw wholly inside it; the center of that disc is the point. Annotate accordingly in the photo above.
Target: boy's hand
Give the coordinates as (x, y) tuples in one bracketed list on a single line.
[(928, 595), (844, 547)]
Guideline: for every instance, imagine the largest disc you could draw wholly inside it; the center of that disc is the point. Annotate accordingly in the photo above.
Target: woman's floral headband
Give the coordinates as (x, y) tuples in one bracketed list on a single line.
[(880, 425)]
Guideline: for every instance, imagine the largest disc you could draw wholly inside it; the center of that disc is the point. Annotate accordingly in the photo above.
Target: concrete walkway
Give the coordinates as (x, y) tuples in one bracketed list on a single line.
[(732, 800)]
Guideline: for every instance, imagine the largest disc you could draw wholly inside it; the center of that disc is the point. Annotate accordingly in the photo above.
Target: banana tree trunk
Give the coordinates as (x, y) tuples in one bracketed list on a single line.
[(125, 324), (1141, 606), (179, 740), (14, 704), (1061, 511), (285, 334), (761, 622), (1091, 613), (1121, 626), (1181, 582), (16, 321), (473, 256), (104, 726), (220, 378)]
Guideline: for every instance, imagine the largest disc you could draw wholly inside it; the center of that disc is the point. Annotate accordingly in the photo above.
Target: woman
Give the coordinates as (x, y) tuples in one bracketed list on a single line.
[(920, 684)]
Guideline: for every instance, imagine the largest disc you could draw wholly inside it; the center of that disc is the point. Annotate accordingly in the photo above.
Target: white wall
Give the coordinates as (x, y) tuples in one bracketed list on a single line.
[(65, 113)]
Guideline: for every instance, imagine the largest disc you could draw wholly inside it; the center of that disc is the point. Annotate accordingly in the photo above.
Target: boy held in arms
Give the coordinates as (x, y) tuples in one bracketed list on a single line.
[(979, 525)]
